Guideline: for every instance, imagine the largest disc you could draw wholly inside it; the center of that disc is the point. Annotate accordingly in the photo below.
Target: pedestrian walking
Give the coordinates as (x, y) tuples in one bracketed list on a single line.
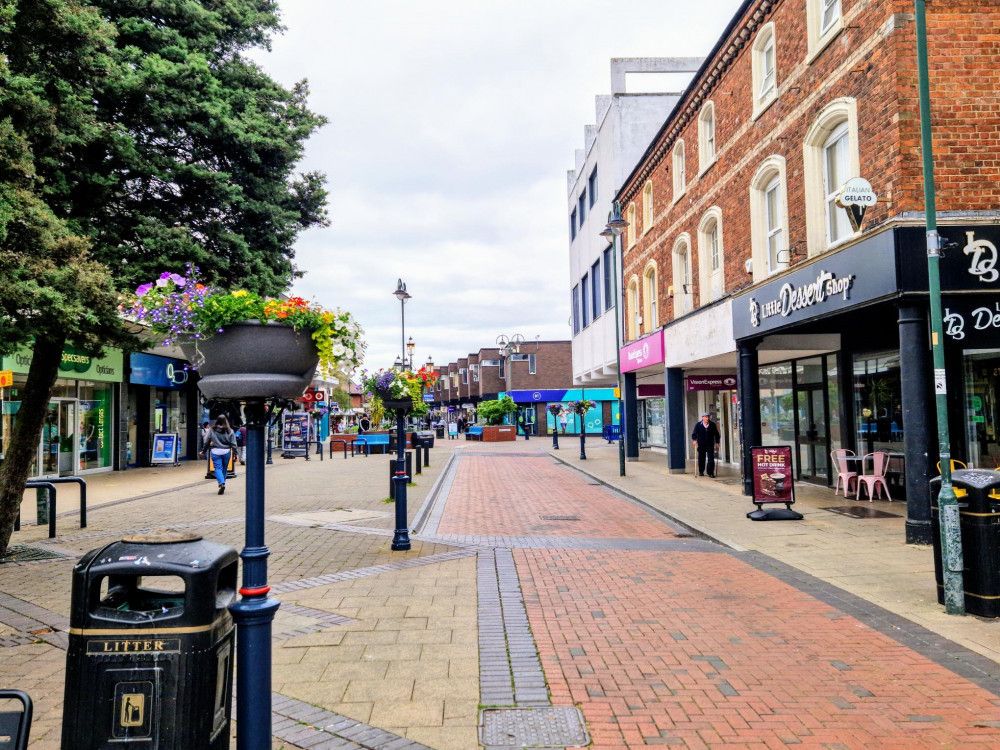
[(706, 437), (203, 436), (563, 419), (221, 443), (241, 444)]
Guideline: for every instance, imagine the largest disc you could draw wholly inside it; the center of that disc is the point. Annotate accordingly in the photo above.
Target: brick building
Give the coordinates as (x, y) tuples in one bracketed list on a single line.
[(541, 373), (741, 256)]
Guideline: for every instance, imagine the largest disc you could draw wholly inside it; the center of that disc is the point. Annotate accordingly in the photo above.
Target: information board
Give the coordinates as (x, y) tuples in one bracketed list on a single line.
[(772, 474), (166, 447), (295, 434)]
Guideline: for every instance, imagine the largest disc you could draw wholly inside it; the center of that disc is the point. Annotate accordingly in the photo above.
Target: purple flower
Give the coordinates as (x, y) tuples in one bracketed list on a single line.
[(143, 290), (178, 280)]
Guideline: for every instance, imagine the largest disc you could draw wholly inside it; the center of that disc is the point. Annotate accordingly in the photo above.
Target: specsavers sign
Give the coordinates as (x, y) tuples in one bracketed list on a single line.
[(75, 365)]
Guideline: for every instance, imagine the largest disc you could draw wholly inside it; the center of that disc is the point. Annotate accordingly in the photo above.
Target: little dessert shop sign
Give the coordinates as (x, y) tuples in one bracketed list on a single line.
[(792, 298)]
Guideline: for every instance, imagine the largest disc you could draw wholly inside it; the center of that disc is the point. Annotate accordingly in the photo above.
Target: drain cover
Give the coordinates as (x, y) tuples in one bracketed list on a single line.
[(555, 727), (18, 553), (560, 518), (861, 511)]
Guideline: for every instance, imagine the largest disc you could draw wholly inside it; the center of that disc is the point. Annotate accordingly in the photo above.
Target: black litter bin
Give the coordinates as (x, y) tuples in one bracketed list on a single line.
[(426, 438), (150, 658), (979, 523), (439, 431)]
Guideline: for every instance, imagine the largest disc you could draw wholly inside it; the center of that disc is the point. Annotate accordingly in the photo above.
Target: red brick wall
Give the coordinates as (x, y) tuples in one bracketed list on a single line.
[(877, 69)]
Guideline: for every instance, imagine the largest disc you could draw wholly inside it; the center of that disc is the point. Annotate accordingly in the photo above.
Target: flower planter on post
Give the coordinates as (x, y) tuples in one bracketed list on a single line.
[(555, 410), (580, 408), (261, 352)]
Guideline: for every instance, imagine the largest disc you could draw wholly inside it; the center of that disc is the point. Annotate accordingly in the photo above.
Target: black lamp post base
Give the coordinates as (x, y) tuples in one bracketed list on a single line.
[(401, 540)]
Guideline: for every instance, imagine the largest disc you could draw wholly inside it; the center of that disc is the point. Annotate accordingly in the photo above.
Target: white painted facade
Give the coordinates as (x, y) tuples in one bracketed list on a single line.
[(625, 125)]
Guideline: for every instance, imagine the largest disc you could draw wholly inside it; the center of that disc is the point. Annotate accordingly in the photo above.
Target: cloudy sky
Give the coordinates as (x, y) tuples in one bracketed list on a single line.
[(452, 126)]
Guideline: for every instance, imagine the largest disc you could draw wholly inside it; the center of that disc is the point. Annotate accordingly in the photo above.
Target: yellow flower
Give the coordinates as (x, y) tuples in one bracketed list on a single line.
[(240, 293)]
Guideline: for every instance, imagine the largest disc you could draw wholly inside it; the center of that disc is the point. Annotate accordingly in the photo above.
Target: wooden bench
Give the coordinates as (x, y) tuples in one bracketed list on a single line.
[(474, 433), (369, 440)]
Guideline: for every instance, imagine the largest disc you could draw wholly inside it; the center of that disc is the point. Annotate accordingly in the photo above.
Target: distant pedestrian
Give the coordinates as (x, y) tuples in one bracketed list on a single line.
[(241, 444), (706, 437), (203, 436), (220, 446), (563, 419)]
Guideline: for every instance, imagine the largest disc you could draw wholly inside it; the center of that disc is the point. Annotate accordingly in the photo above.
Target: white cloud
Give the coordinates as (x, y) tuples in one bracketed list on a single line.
[(452, 125)]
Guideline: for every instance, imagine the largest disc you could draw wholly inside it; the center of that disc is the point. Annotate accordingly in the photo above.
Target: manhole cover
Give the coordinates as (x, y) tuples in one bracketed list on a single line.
[(18, 553), (861, 511), (560, 518), (555, 727)]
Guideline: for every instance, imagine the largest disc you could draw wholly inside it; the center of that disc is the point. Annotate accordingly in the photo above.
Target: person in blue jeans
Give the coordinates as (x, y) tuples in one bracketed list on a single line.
[(220, 445)]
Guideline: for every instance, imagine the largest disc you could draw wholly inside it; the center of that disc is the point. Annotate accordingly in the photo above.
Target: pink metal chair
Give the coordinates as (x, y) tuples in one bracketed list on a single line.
[(876, 480), (844, 474)]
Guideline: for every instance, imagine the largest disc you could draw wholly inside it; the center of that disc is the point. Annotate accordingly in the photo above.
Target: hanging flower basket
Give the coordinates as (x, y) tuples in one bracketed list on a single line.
[(399, 404), (254, 360)]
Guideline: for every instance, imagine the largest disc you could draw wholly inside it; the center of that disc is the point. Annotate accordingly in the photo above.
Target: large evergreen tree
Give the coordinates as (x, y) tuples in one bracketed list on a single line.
[(135, 137)]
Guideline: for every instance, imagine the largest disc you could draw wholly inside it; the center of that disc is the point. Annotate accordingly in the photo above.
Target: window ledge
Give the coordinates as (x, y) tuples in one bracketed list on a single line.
[(816, 47), (761, 106), (678, 196), (708, 166)]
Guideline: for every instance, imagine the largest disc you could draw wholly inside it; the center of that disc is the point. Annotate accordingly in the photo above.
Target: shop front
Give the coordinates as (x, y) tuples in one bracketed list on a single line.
[(78, 431), (534, 407), (715, 393), (162, 400), (835, 355), (642, 367)]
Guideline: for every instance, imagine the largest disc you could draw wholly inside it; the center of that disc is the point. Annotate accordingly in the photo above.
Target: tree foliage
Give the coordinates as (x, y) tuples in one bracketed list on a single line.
[(136, 137), (493, 412)]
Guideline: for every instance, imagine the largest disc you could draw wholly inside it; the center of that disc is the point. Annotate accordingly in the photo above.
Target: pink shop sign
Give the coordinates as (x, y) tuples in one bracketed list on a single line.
[(642, 353), (711, 382)]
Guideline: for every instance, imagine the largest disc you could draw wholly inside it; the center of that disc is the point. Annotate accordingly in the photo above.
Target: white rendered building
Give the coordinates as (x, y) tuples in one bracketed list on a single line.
[(626, 124)]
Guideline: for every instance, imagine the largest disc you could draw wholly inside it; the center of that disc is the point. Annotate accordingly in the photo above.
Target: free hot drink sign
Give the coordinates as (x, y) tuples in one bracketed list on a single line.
[(772, 474)]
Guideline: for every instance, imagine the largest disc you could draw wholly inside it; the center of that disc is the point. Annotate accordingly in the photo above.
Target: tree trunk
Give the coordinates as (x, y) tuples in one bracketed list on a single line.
[(19, 460)]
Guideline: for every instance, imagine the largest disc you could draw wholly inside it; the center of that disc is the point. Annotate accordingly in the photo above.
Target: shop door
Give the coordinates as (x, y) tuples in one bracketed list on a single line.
[(59, 448), (642, 422), (811, 434)]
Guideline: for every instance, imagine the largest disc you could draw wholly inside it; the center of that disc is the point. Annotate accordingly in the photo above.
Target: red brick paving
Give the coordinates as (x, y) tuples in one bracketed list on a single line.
[(507, 495), (702, 650)]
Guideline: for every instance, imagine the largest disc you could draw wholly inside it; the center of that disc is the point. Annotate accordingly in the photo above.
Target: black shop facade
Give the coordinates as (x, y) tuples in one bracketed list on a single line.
[(835, 354)]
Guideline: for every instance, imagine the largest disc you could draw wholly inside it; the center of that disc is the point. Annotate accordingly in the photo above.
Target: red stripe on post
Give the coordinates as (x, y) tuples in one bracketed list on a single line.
[(255, 592)]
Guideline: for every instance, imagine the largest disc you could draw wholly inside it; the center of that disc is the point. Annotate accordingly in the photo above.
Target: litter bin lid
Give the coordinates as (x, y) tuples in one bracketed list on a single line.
[(161, 536)]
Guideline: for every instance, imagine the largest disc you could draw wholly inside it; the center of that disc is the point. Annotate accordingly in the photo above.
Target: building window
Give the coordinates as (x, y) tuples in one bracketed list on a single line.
[(650, 293), (706, 136), (592, 187), (582, 207), (576, 310), (769, 218), (609, 285), (595, 289), (630, 231), (572, 225), (634, 313), (680, 178), (711, 260), (824, 20), (683, 288), (831, 158), (475, 373), (764, 70), (647, 207), (464, 374), (585, 299), (531, 364), (835, 173)]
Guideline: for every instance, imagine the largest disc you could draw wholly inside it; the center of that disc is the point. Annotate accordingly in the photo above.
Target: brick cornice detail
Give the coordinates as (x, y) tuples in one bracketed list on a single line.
[(688, 109)]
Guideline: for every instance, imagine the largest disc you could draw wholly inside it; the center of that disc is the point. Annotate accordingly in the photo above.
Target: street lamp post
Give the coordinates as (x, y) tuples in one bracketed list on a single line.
[(410, 346), (401, 538), (951, 533), (509, 346), (613, 231)]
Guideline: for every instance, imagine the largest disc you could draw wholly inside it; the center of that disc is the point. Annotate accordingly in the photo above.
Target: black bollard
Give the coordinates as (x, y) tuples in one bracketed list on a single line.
[(583, 444)]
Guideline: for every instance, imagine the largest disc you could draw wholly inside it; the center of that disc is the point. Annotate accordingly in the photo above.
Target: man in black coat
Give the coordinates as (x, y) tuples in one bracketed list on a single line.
[(706, 437)]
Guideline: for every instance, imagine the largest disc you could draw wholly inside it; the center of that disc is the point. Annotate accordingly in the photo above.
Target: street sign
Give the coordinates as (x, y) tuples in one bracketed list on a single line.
[(6, 378), (428, 398)]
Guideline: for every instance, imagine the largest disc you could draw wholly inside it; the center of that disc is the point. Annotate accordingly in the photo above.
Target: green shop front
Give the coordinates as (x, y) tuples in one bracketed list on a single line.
[(78, 433)]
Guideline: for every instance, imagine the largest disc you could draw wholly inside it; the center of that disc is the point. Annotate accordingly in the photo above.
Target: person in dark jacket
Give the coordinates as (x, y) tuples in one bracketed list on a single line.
[(706, 437), (220, 445)]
